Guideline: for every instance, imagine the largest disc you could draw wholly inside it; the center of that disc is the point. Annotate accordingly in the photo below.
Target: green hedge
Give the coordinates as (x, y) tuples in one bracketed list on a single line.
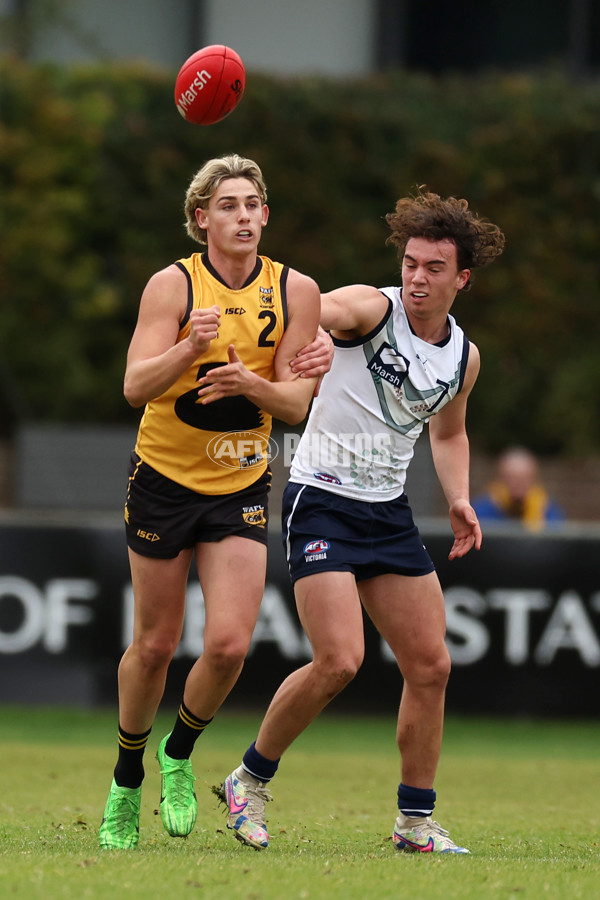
[(95, 163)]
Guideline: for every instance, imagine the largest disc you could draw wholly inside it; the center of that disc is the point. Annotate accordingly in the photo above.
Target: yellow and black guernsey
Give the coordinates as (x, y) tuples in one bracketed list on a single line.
[(219, 447)]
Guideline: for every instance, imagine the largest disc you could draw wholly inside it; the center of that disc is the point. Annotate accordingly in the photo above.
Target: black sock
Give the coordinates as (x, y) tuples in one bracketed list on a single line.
[(186, 731), (129, 771)]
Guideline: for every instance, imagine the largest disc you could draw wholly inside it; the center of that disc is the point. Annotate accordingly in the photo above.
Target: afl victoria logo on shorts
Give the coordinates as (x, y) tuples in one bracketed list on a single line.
[(315, 550)]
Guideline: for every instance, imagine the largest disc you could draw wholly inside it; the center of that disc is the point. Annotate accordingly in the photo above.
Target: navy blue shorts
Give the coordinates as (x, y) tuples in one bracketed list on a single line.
[(323, 532)]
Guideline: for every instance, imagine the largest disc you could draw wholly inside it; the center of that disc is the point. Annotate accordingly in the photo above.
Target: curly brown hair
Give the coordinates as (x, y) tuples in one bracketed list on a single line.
[(478, 242)]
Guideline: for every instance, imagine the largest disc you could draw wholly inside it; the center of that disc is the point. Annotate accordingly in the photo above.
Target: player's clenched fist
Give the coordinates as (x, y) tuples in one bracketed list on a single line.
[(204, 327)]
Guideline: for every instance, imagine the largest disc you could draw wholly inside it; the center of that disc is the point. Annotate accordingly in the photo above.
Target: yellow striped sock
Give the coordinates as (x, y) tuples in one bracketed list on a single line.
[(191, 720), (129, 771), (186, 731)]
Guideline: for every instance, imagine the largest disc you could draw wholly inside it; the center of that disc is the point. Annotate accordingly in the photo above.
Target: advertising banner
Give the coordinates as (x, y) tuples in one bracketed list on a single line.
[(523, 623)]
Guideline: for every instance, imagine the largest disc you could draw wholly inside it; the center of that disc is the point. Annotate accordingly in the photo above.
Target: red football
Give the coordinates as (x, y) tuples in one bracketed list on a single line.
[(210, 85)]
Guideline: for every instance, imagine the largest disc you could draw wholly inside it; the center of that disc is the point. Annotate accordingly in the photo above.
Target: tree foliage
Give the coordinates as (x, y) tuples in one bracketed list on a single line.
[(95, 162)]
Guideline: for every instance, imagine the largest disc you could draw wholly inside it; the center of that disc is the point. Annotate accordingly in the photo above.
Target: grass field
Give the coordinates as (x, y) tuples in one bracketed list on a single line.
[(523, 796)]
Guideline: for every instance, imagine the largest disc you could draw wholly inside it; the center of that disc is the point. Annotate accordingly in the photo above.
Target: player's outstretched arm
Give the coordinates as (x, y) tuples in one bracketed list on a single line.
[(354, 309), (350, 311)]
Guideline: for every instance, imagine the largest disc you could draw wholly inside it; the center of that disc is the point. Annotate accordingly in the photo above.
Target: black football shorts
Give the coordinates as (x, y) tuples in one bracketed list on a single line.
[(163, 517)]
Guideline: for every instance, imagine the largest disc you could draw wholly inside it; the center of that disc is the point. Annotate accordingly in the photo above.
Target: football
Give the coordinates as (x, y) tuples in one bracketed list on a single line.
[(210, 85)]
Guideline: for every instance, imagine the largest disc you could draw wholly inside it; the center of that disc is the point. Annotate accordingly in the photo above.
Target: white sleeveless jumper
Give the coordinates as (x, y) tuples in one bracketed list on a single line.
[(372, 404)]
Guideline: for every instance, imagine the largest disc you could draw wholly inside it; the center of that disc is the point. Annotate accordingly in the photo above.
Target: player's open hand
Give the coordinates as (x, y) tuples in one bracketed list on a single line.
[(466, 528), (315, 359), (229, 380), (204, 327)]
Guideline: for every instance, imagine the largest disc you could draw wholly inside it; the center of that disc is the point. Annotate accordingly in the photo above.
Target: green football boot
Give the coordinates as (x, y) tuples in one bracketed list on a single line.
[(178, 804), (120, 829)]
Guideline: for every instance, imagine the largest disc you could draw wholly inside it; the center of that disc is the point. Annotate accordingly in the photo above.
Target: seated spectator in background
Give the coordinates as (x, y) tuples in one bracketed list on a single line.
[(517, 495)]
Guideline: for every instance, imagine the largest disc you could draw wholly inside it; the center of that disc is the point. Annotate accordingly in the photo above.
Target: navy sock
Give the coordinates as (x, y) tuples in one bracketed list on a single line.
[(258, 765), (417, 802)]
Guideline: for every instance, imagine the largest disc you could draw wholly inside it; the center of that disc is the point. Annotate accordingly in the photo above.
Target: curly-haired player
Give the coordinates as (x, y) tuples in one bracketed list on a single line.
[(400, 361)]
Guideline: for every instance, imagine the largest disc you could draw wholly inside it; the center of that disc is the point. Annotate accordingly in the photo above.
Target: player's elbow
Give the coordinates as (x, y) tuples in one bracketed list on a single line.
[(294, 414), (298, 398), (292, 419), (134, 402), (132, 395)]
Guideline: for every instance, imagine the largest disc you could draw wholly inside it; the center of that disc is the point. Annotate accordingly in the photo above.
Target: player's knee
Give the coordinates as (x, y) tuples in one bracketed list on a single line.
[(432, 671), (441, 670), (226, 655), (338, 670), (156, 651)]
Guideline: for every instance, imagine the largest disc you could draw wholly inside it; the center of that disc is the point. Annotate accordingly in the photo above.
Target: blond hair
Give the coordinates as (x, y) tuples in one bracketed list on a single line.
[(206, 181)]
